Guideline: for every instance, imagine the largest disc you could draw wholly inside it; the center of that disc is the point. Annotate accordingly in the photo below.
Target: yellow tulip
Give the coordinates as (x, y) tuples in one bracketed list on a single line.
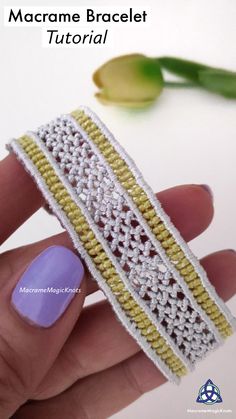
[(129, 80)]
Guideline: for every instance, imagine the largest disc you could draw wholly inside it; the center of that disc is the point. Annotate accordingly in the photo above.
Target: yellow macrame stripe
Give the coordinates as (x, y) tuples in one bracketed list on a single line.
[(100, 258), (168, 242)]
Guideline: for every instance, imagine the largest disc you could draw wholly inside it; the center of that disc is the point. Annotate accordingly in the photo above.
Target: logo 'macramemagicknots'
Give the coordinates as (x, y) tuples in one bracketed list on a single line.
[(209, 393)]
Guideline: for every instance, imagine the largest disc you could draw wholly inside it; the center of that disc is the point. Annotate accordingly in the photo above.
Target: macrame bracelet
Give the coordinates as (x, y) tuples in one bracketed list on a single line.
[(154, 283)]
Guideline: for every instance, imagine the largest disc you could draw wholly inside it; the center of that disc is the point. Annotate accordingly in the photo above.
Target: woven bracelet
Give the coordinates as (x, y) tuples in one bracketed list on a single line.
[(156, 286)]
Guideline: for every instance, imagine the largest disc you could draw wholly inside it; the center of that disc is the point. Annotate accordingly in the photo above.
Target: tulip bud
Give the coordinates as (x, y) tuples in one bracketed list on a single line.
[(129, 80)]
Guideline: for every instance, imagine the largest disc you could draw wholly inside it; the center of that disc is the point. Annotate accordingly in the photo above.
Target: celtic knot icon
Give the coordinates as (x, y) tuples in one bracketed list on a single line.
[(209, 393)]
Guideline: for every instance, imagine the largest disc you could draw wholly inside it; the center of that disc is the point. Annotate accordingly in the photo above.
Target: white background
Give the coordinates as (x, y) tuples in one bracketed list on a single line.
[(188, 137)]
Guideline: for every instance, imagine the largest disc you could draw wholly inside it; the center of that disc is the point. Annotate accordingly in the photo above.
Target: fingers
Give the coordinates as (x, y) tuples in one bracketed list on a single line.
[(190, 208), (222, 270), (19, 196), (36, 320), (101, 395), (99, 341)]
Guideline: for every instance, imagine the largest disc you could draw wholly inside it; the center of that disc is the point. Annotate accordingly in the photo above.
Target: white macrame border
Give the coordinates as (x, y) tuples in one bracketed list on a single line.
[(14, 146), (149, 233), (108, 251), (168, 223)]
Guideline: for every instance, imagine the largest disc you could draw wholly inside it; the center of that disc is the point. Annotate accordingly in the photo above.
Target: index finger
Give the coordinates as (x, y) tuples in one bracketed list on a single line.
[(19, 196)]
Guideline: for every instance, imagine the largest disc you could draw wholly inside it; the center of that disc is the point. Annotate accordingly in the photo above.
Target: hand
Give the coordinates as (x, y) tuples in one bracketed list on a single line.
[(85, 365)]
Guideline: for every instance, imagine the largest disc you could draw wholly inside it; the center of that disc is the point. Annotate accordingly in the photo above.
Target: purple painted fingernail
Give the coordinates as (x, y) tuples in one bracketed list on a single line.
[(47, 286), (209, 190)]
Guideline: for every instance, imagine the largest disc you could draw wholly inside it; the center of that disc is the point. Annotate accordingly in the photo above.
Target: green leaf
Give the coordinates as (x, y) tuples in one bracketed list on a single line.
[(219, 81), (183, 68)]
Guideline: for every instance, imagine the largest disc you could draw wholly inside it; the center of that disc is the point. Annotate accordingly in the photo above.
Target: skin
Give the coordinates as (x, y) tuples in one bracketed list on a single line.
[(86, 365)]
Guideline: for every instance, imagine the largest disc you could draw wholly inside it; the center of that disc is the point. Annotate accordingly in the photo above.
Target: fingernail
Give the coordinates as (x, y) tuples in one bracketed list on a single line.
[(48, 286), (209, 190)]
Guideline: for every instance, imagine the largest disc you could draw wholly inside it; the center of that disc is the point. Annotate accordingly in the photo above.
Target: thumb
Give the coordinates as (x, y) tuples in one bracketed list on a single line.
[(38, 309)]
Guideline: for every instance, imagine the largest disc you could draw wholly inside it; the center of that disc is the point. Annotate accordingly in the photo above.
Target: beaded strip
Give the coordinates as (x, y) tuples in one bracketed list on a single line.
[(127, 241)]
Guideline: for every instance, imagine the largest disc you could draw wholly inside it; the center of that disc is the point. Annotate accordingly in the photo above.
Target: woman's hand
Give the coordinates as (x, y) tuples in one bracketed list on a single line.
[(85, 365)]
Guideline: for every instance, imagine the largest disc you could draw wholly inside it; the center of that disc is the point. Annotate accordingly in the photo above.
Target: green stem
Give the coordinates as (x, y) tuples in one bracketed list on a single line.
[(180, 84)]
